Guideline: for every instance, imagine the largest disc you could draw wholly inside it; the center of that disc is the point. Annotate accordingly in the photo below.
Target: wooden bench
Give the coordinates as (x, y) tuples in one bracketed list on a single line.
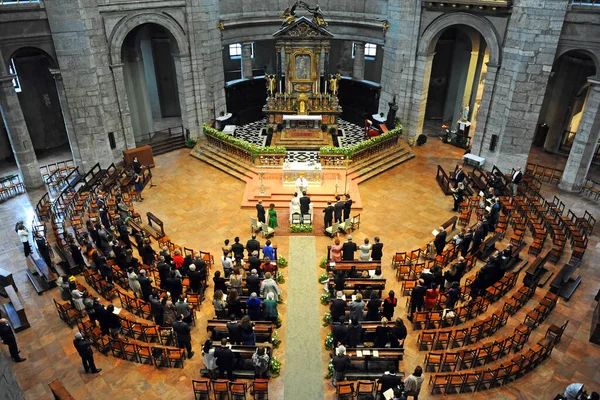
[(479, 178), (371, 367), (443, 180), (155, 230), (535, 271), (362, 284), (563, 284), (6, 279), (59, 391), (93, 177), (243, 368), (43, 278), (15, 310), (218, 330), (488, 246), (353, 265)]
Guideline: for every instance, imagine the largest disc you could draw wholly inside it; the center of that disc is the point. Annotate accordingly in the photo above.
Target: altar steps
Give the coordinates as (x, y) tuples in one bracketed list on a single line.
[(230, 165), (381, 163), (282, 200)]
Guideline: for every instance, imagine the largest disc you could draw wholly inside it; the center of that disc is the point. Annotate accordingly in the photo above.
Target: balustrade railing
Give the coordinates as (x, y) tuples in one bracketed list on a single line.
[(332, 160), (230, 149), (374, 149), (270, 160)]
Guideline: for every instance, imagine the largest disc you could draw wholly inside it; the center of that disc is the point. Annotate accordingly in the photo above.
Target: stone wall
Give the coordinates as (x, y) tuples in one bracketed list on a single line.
[(9, 387)]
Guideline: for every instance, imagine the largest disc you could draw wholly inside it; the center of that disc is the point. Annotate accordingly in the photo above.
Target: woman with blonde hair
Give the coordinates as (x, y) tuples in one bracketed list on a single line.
[(382, 334), (336, 250)]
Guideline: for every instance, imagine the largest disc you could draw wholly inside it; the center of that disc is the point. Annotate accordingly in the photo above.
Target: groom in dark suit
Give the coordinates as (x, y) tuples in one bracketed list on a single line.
[(304, 204), (260, 212), (328, 215), (339, 209)]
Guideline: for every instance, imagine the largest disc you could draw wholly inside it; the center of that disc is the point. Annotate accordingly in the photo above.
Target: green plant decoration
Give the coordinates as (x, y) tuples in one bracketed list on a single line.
[(301, 228), (323, 278), (278, 323), (329, 371), (323, 263), (255, 151), (279, 277), (275, 340), (280, 300), (282, 262), (326, 319), (190, 143), (329, 341), (350, 151), (275, 367), (325, 297)]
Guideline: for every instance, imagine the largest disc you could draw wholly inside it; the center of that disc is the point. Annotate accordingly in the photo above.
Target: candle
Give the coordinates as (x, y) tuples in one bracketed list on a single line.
[(325, 85), (279, 86)]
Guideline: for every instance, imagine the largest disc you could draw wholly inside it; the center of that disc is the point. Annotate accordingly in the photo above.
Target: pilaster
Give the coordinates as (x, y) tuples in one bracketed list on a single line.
[(358, 65)]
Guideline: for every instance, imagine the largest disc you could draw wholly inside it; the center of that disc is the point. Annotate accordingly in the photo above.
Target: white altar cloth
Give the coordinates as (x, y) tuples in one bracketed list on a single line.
[(311, 171)]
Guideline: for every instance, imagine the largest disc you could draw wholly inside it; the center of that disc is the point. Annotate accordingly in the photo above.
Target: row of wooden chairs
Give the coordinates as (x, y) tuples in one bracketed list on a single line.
[(227, 390), (11, 186), (591, 189), (544, 173), (440, 319)]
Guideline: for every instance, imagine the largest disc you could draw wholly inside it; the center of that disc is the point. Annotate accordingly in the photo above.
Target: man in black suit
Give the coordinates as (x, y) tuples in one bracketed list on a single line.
[(235, 330), (417, 298), (516, 179), (347, 206), (461, 266), (184, 337), (377, 250), (163, 271), (338, 307), (478, 237), (8, 338), (390, 381), (195, 278), (252, 245), (255, 263), (260, 212), (338, 210), (253, 282), (84, 348), (225, 360), (238, 249), (348, 249), (440, 240), (459, 175), (328, 218), (145, 284), (339, 330), (466, 242), (304, 204)]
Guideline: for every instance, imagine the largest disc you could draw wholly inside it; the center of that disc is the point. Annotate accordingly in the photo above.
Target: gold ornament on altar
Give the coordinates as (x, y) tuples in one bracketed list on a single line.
[(271, 84)]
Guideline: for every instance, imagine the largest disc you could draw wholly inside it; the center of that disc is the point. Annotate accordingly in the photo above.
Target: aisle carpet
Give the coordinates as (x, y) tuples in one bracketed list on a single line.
[(303, 372)]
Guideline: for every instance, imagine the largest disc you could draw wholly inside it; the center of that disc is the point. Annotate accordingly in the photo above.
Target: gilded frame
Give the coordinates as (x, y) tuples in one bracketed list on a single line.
[(311, 56)]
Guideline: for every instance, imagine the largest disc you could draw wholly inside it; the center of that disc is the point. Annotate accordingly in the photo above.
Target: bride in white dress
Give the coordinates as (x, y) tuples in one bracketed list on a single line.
[(294, 206)]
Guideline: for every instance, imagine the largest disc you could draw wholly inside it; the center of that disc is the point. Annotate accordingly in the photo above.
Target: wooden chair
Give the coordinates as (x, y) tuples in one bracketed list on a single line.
[(555, 332), (355, 222), (408, 286), (438, 383), (455, 383), (201, 389), (459, 337), (175, 357), (449, 361), (144, 353), (442, 340), (332, 230), (266, 231), (347, 226), (220, 389), (425, 338), (433, 361), (344, 390), (116, 348), (237, 390), (260, 389), (471, 382), (365, 388), (398, 259)]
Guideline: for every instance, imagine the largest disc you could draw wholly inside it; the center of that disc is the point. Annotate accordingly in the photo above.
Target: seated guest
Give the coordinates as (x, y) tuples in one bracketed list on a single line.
[(227, 264), (248, 336), (219, 305), (219, 282), (338, 307), (453, 295), (354, 337), (382, 334), (348, 249), (373, 307), (234, 306), (252, 245), (234, 330), (365, 251), (389, 380), (389, 304), (269, 286), (431, 296), (377, 250), (357, 307), (336, 251), (253, 306), (398, 333), (253, 282), (237, 248), (270, 309), (339, 331), (268, 251)]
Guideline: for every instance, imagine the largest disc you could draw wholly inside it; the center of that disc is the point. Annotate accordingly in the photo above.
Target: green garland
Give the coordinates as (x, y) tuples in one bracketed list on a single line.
[(350, 151), (275, 340), (329, 341), (327, 319), (279, 277), (301, 228), (253, 149), (325, 297), (278, 323), (282, 262), (275, 367), (323, 278)]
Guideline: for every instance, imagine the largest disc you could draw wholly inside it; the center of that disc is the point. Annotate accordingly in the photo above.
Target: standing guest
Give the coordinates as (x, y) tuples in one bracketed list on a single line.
[(341, 363), (459, 175), (183, 334), (156, 307), (389, 380), (427, 276), (253, 282), (8, 338), (365, 251), (112, 323), (248, 335), (226, 247), (336, 250), (440, 240), (389, 304), (348, 249), (260, 360), (453, 295), (219, 304), (357, 307), (138, 183), (340, 280), (268, 250), (398, 334), (478, 237), (183, 308), (174, 285), (304, 204), (84, 348), (272, 216), (515, 180), (169, 314), (227, 264), (466, 242), (77, 297), (76, 254), (187, 261), (178, 259), (24, 237), (438, 277), (134, 283), (145, 284), (294, 206), (412, 384), (136, 165), (461, 267), (210, 362), (431, 296), (196, 278), (354, 333), (270, 309), (451, 276), (234, 306), (373, 307), (269, 286), (254, 262), (253, 306), (43, 249), (103, 215), (260, 212), (225, 360), (234, 329), (328, 217), (338, 210), (382, 334), (236, 280), (163, 271), (219, 282), (339, 331), (252, 245), (347, 206), (377, 250), (338, 307), (458, 195), (268, 265), (237, 249)]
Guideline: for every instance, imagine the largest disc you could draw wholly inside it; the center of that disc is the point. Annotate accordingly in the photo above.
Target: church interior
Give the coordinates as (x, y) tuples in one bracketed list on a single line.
[(376, 199)]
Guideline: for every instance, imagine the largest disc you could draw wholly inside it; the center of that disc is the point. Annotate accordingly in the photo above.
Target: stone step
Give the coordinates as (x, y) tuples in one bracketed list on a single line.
[(369, 171), (231, 167), (166, 145)]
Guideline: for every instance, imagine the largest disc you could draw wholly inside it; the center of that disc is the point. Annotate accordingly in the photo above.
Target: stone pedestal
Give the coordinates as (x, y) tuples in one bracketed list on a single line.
[(585, 143)]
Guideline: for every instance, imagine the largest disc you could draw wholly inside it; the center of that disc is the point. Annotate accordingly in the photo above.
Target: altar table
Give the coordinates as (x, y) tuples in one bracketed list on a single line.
[(311, 171)]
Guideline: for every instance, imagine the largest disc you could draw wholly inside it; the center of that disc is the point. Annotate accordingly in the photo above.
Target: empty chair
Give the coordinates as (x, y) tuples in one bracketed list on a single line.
[(201, 389), (260, 389), (344, 390), (237, 390)]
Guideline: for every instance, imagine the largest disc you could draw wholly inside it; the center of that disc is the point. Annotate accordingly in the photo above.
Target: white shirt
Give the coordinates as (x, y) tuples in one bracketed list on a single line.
[(301, 182), (23, 235)]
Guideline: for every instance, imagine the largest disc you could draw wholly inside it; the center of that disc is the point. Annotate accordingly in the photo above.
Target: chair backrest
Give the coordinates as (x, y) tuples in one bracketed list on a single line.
[(201, 386), (335, 228), (261, 385), (347, 224), (254, 223), (220, 386), (296, 218), (306, 219), (237, 387), (345, 388), (365, 387)]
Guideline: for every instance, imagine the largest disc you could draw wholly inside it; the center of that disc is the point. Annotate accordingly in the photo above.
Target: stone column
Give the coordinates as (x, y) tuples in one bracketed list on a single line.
[(420, 91), (66, 113), (18, 135), (480, 117), (358, 67), (247, 60), (585, 143), (119, 78)]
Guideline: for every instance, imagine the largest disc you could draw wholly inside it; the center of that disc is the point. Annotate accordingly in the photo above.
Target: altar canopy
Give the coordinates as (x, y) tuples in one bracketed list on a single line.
[(302, 106)]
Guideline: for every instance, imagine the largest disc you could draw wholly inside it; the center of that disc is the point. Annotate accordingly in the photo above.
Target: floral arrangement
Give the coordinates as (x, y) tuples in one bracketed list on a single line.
[(190, 143), (329, 341), (275, 366), (275, 340), (253, 149), (278, 323), (279, 277), (301, 228), (280, 301), (350, 151), (327, 319), (323, 263), (282, 262), (325, 298), (323, 278), (329, 370)]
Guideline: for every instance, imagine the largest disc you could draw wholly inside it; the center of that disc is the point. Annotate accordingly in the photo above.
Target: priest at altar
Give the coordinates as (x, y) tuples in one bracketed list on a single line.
[(301, 185)]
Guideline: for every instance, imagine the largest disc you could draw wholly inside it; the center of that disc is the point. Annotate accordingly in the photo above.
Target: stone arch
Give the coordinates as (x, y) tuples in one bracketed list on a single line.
[(127, 24), (435, 29), (590, 53), (19, 49)]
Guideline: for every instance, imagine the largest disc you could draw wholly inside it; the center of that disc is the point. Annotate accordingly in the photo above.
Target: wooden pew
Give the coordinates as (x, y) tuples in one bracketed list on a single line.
[(15, 310), (443, 180), (535, 271), (6, 279), (155, 230), (218, 330), (371, 367), (243, 368), (59, 391), (43, 278), (563, 284), (355, 264)]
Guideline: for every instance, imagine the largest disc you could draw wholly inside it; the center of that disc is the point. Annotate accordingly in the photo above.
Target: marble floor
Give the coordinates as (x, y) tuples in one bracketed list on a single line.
[(200, 208)]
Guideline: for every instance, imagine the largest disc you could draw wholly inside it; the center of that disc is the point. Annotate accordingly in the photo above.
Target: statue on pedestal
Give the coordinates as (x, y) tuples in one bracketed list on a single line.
[(271, 84), (289, 15), (334, 83)]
